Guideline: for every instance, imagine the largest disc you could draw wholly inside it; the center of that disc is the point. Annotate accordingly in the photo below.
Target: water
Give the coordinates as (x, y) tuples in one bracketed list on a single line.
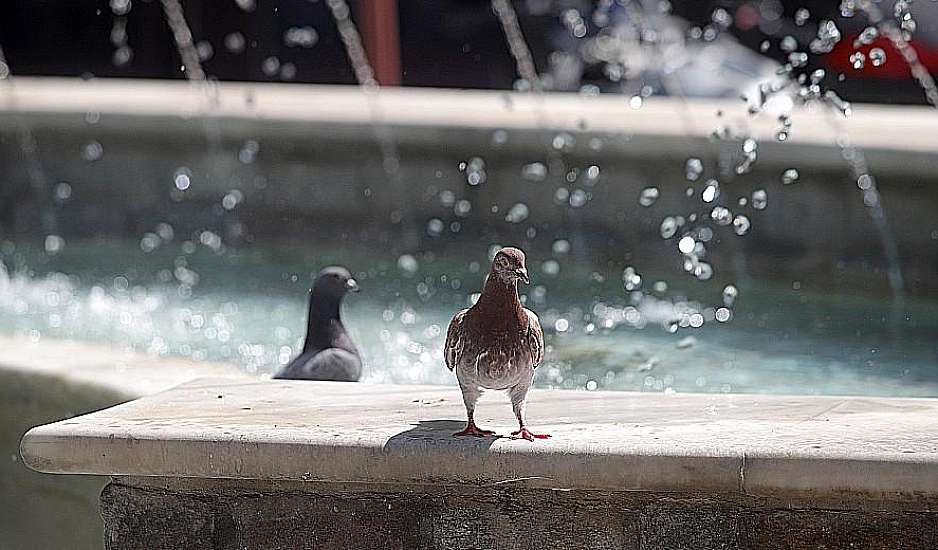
[(248, 307), (607, 327)]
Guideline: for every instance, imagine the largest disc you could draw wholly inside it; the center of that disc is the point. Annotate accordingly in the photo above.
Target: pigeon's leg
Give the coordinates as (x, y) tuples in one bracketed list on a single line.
[(519, 394), (470, 394)]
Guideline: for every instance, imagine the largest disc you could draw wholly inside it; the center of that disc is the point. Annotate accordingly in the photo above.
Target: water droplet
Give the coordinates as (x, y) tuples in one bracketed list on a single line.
[(693, 168), (848, 8), (877, 57), (54, 244), (798, 59), (648, 196), (561, 325), (669, 227), (741, 224), (63, 192), (550, 267), (759, 199), (790, 176), (232, 199), (150, 242), (408, 264), (723, 315), (205, 50), (120, 7), (122, 56), (631, 279), (563, 142), (721, 18), (560, 246), (635, 102), (234, 42), (686, 245), (499, 137), (475, 171), (248, 152), (462, 208), (288, 71), (300, 37), (730, 294), (868, 35), (828, 35), (591, 385), (517, 213), (857, 60), (788, 44), (92, 151), (711, 191), (721, 215), (864, 182), (592, 175), (703, 271), (801, 16), (435, 227), (534, 171), (764, 46), (271, 65), (182, 178)]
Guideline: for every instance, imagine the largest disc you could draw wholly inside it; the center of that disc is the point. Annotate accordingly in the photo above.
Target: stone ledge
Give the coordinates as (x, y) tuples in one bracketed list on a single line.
[(873, 448), (893, 137)]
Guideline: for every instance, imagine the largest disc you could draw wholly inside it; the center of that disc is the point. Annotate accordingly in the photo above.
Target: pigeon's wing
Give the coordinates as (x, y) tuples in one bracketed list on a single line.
[(329, 364), (454, 344), (535, 337)]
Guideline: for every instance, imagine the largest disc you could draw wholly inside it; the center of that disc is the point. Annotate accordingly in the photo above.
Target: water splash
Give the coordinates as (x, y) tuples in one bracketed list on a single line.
[(524, 61), (365, 75), (899, 36)]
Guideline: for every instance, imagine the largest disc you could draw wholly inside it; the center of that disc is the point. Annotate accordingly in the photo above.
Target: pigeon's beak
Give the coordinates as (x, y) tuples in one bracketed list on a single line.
[(352, 285), (523, 275)]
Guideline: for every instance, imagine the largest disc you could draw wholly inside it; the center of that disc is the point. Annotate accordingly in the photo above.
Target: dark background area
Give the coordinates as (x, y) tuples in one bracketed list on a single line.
[(444, 43)]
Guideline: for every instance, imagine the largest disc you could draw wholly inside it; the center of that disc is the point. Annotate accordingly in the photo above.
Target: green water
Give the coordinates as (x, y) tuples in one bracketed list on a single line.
[(248, 307)]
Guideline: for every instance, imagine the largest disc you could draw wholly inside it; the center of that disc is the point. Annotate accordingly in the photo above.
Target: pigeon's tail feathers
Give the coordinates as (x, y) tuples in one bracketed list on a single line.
[(455, 340)]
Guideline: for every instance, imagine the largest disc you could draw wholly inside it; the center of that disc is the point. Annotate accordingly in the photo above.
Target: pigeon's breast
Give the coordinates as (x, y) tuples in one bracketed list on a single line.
[(497, 361)]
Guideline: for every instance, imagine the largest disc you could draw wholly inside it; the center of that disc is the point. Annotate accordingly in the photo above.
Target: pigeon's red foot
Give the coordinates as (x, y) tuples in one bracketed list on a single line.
[(528, 434), (474, 431)]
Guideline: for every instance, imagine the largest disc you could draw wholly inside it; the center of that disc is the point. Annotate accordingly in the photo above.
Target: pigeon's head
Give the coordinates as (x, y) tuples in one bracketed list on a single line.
[(334, 282), (508, 266)]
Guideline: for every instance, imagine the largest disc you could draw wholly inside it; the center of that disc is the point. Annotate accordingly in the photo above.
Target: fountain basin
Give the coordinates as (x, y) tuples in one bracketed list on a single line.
[(303, 463), (816, 314)]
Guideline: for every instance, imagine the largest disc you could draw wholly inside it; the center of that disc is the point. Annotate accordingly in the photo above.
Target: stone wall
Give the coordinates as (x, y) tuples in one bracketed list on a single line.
[(157, 513)]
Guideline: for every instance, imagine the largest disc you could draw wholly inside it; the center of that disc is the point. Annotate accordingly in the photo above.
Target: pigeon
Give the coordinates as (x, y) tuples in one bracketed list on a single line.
[(497, 343), (328, 353)]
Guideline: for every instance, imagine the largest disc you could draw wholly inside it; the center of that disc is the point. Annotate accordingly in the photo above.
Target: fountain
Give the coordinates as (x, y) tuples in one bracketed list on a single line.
[(677, 245)]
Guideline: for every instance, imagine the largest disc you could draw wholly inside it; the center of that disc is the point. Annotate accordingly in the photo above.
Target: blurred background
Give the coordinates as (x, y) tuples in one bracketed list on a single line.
[(445, 43)]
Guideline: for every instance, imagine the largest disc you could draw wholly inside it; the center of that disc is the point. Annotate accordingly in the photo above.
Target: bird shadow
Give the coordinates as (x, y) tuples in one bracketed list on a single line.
[(438, 434)]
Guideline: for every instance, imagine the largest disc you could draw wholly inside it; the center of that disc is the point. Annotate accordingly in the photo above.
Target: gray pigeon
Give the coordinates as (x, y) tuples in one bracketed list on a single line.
[(328, 353), (497, 343)]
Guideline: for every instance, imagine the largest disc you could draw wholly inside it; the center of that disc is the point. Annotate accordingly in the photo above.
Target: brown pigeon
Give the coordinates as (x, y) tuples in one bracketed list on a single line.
[(497, 343)]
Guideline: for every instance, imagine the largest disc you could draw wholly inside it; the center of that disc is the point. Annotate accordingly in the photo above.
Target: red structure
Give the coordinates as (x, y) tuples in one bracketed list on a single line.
[(382, 41)]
